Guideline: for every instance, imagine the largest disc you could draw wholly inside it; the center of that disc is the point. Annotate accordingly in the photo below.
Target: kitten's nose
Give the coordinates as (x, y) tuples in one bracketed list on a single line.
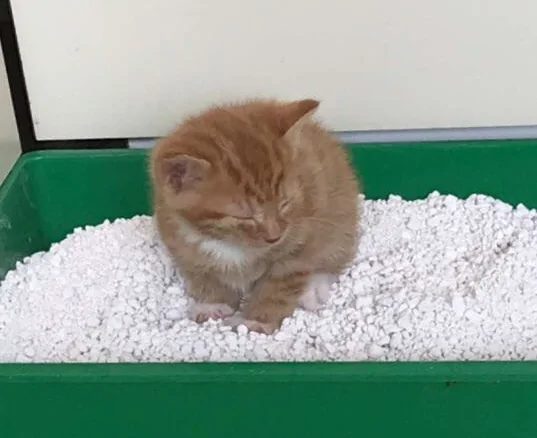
[(273, 232), (272, 239)]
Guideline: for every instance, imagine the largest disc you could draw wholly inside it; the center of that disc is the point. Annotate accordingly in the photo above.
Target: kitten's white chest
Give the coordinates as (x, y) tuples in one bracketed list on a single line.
[(223, 252)]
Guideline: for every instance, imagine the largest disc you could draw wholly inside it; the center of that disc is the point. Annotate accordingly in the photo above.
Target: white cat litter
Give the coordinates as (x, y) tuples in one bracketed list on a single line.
[(435, 279)]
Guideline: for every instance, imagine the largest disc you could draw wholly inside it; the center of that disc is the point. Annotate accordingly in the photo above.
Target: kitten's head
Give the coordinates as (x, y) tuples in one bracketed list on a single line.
[(233, 172)]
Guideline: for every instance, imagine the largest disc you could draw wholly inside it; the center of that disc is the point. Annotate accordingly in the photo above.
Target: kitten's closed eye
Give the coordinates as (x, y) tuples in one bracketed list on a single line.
[(245, 219), (284, 206)]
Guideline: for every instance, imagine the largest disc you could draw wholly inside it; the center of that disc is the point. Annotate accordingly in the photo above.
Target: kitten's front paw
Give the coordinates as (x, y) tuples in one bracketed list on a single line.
[(252, 325), (317, 292), (201, 312)]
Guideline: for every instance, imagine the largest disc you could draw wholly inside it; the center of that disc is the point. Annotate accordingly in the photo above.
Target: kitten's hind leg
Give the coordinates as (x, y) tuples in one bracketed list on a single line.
[(317, 291), (212, 299)]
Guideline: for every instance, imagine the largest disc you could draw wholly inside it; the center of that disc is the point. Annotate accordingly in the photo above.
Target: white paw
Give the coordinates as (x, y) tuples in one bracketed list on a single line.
[(201, 312), (237, 320), (317, 291)]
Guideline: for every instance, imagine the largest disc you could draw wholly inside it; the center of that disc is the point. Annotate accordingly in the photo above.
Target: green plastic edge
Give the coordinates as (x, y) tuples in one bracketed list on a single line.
[(30, 157), (263, 372)]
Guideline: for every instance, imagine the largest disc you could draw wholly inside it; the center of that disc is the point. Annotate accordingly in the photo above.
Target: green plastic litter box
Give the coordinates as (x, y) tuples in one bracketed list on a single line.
[(47, 194)]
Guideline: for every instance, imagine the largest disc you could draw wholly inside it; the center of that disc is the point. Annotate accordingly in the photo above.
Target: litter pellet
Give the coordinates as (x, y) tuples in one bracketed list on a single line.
[(434, 279)]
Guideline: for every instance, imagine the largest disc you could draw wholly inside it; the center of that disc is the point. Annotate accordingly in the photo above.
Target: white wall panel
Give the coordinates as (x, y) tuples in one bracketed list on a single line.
[(132, 68)]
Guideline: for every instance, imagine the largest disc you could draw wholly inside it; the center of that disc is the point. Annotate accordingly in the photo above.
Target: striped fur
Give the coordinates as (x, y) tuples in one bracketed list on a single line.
[(255, 201)]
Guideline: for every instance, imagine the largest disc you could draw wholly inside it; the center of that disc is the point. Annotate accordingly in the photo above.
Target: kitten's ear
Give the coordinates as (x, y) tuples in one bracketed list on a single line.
[(295, 115), (183, 171)]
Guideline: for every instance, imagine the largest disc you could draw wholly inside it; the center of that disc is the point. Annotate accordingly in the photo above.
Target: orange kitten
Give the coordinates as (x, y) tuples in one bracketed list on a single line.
[(257, 203)]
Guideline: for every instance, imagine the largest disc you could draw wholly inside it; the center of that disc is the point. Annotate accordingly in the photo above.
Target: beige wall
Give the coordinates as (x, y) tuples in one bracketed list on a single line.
[(9, 140), (375, 64)]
